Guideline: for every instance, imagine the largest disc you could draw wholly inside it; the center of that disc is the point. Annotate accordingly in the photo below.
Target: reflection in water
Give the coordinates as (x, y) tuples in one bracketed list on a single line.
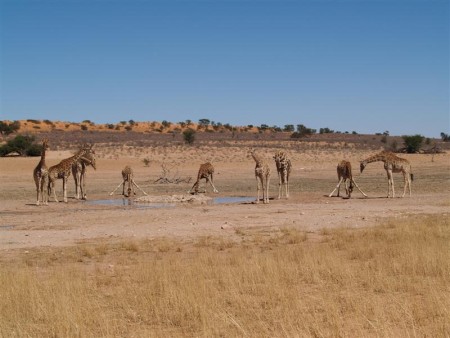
[(130, 202)]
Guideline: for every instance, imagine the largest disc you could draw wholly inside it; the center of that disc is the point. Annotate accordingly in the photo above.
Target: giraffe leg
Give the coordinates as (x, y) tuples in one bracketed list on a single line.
[(356, 185), (279, 185), (65, 189), (257, 189), (52, 187), (405, 183), (195, 187), (138, 187), (212, 184), (77, 185), (266, 190), (286, 186), (112, 192), (38, 186), (337, 187), (83, 184)]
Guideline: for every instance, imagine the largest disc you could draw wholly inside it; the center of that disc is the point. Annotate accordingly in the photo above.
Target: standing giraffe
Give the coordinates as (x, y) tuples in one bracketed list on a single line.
[(206, 171), (40, 175), (128, 176), (262, 174), (79, 170), (392, 164), (62, 171), (284, 166), (344, 172)]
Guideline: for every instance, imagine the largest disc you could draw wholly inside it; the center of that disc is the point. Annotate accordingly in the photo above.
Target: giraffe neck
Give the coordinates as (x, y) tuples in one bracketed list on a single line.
[(375, 158), (257, 159)]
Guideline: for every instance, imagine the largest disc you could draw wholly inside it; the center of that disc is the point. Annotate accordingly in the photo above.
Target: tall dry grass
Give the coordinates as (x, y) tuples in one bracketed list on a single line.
[(387, 281)]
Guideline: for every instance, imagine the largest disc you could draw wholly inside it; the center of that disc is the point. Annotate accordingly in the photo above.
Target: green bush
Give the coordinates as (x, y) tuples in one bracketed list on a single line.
[(23, 145), (189, 136), (412, 143)]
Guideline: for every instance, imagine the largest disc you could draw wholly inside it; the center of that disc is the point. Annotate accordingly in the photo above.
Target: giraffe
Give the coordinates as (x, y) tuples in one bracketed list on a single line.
[(283, 164), (392, 164), (40, 175), (206, 171), (79, 170), (262, 174), (62, 171), (344, 172), (127, 176)]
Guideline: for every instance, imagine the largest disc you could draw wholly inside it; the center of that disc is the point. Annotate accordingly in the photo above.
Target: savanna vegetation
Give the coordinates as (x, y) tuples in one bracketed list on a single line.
[(386, 281)]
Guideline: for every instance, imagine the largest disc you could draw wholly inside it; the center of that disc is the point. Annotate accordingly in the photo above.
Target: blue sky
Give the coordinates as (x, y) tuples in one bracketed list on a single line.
[(354, 65)]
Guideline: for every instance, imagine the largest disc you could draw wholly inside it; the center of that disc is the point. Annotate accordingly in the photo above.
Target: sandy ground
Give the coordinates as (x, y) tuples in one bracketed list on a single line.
[(24, 225)]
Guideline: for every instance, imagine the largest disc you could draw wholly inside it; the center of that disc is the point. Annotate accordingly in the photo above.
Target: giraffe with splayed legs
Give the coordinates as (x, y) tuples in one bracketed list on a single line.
[(392, 164), (283, 164), (344, 172), (127, 177), (62, 171), (79, 172), (206, 171), (40, 175), (262, 174)]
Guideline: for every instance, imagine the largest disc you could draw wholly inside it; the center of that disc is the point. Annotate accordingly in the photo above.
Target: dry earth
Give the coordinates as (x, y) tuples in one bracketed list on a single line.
[(24, 225)]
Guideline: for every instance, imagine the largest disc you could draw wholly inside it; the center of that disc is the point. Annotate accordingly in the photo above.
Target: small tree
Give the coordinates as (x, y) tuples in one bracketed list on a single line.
[(412, 143), (9, 128), (189, 136), (23, 145)]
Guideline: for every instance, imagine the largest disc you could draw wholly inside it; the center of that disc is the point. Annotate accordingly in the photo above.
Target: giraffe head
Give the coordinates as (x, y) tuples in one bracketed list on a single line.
[(362, 165), (45, 144)]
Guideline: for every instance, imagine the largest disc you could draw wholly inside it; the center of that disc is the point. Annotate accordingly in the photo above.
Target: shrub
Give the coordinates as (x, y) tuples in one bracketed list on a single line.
[(23, 145), (189, 136), (9, 128), (412, 143), (84, 127)]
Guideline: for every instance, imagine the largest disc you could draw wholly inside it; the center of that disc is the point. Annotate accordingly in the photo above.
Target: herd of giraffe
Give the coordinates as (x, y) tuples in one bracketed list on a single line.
[(77, 165)]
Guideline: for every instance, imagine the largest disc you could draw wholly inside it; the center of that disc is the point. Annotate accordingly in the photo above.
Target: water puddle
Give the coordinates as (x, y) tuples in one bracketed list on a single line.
[(226, 200), (125, 202), (6, 227)]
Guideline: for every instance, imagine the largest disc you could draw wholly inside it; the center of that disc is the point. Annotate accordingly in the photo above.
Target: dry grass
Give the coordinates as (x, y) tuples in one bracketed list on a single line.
[(389, 281)]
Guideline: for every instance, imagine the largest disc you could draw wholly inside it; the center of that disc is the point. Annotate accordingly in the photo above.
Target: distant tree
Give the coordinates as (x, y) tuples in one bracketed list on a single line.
[(412, 143), (289, 128), (182, 124), (263, 127), (189, 136), (110, 126), (9, 128), (445, 137), (166, 124), (23, 145), (131, 122), (386, 133), (204, 122), (303, 131), (325, 131), (84, 127), (354, 133), (123, 122)]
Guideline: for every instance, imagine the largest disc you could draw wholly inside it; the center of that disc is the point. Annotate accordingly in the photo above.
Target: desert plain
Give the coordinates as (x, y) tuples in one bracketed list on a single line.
[(88, 237)]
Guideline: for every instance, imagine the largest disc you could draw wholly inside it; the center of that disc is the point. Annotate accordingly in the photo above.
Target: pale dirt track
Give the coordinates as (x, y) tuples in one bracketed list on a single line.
[(25, 225)]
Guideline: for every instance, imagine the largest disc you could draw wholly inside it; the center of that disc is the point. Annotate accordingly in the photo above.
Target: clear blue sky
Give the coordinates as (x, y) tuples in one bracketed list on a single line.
[(355, 65)]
